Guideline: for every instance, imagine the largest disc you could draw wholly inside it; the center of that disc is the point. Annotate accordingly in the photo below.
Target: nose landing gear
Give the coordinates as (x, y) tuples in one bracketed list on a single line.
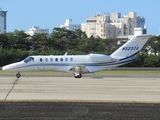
[(18, 75)]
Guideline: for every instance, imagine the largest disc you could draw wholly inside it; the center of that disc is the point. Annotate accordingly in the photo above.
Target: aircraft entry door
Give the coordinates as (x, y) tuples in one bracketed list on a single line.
[(41, 63)]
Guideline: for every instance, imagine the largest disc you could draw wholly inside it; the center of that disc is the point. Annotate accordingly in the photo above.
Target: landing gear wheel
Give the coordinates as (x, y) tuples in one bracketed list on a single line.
[(78, 76), (18, 75)]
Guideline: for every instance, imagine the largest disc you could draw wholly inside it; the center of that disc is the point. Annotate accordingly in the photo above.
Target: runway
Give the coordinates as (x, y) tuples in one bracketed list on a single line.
[(90, 88)]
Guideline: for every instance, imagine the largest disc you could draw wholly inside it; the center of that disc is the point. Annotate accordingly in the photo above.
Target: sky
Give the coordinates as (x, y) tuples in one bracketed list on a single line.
[(24, 14)]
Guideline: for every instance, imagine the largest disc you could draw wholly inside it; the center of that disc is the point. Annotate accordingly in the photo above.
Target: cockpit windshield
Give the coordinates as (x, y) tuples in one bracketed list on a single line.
[(29, 59)]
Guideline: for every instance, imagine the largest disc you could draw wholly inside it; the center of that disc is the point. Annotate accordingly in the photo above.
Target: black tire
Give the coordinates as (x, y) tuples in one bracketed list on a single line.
[(80, 75), (18, 75)]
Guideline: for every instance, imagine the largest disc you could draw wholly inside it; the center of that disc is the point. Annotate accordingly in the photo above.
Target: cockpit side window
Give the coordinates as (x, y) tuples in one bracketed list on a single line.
[(32, 59), (29, 59)]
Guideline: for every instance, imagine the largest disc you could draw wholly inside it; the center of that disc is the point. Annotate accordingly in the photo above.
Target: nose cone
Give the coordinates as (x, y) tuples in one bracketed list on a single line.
[(6, 68), (12, 67), (9, 67), (2, 68)]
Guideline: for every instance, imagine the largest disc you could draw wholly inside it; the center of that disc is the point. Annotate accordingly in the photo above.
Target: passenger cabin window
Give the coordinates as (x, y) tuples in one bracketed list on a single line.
[(29, 59), (66, 59), (51, 59), (40, 59), (46, 59), (71, 59), (61, 59), (56, 59)]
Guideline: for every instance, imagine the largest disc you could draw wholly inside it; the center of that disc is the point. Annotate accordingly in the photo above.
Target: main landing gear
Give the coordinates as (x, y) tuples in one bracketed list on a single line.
[(77, 75), (18, 75)]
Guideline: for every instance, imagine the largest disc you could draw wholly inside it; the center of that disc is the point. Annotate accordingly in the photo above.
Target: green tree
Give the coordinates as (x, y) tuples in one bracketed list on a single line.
[(109, 45), (40, 42), (80, 34), (154, 45), (64, 39), (62, 33), (4, 41), (19, 40)]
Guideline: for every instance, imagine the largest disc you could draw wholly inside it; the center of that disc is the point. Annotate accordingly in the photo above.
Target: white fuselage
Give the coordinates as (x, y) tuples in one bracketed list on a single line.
[(93, 62)]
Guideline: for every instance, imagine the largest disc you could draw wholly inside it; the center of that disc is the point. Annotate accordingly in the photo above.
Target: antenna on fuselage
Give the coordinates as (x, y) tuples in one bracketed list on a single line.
[(65, 53)]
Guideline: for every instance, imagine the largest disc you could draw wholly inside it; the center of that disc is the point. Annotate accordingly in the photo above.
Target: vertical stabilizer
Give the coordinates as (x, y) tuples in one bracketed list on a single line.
[(131, 48)]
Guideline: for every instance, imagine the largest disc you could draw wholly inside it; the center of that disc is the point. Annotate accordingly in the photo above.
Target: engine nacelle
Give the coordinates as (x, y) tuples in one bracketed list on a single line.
[(99, 58)]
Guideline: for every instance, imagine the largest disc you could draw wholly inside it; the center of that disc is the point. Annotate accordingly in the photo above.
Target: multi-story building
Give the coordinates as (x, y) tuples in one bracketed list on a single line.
[(126, 24), (97, 26), (106, 26), (35, 30), (3, 23), (68, 25)]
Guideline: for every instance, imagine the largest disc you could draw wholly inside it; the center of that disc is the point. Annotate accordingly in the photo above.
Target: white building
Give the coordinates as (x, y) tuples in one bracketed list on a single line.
[(68, 25), (140, 31), (97, 26), (35, 30), (106, 26), (3, 23)]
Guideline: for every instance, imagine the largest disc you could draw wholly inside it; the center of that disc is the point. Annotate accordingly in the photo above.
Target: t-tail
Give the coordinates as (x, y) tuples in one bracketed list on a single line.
[(131, 48)]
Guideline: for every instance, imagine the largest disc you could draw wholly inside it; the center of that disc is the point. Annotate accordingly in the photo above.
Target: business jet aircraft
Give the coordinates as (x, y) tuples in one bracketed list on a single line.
[(81, 64)]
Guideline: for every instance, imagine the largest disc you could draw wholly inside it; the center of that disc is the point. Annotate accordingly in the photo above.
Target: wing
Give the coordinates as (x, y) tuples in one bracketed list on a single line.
[(79, 69)]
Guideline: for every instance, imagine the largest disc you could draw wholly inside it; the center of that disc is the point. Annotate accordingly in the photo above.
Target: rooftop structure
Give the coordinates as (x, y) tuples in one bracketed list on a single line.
[(68, 24), (35, 30)]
